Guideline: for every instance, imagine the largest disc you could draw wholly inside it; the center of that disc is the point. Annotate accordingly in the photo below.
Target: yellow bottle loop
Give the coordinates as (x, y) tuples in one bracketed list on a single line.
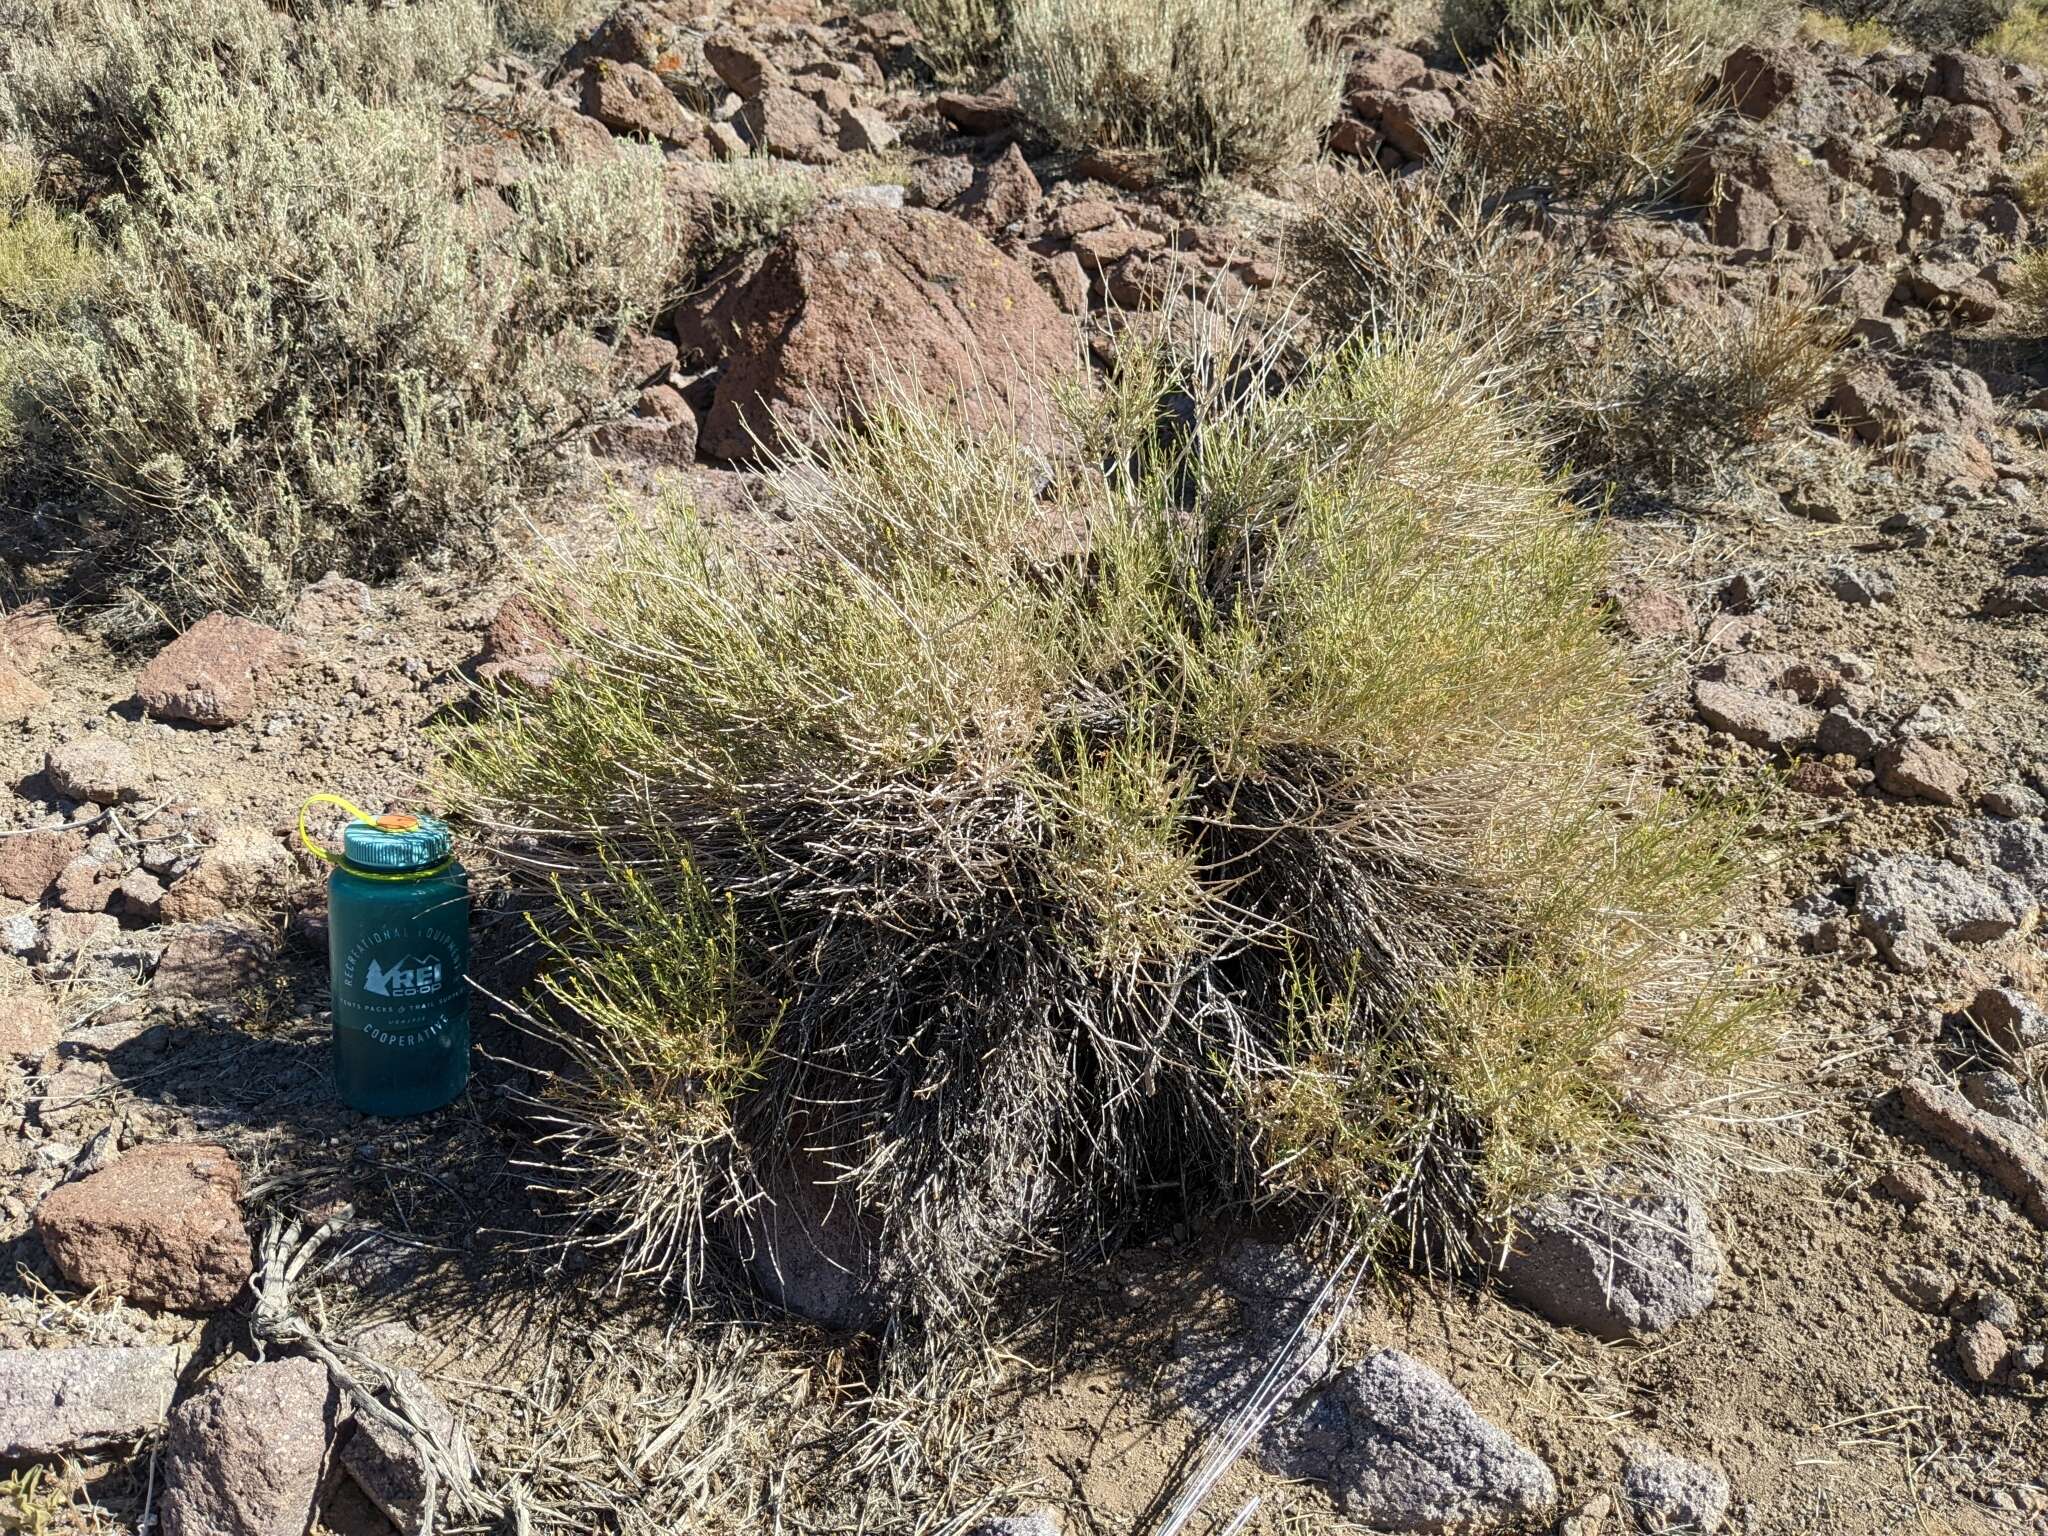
[(357, 813)]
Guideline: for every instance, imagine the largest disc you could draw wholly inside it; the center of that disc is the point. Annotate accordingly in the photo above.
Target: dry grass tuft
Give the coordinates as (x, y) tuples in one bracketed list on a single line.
[(304, 355), (2030, 176), (962, 40), (1670, 394), (1599, 110), (1627, 385), (2029, 292), (1230, 87), (1476, 28), (1284, 847), (541, 29)]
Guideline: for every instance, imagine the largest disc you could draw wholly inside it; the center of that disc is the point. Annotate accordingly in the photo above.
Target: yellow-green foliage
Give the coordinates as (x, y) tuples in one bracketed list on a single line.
[(2021, 36), (754, 200), (1600, 110), (1283, 845), (304, 354), (2031, 177), (1863, 35), (1234, 87), (48, 262), (2029, 291)]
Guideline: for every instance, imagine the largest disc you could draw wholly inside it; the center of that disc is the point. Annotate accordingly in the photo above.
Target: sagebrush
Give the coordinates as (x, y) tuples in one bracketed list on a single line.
[(305, 354), (1283, 847), (1231, 87)]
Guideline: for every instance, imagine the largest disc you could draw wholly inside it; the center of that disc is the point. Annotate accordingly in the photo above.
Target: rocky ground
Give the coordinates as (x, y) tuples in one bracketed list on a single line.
[(1845, 633)]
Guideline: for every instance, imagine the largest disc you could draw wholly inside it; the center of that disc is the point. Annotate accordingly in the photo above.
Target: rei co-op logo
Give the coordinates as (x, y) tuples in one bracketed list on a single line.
[(414, 976)]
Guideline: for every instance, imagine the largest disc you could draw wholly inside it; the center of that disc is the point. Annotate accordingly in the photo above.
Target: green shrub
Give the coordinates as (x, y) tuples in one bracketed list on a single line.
[(1599, 110), (1980, 24), (1864, 35), (752, 202), (2020, 34), (1233, 87), (305, 354), (1282, 848), (47, 260)]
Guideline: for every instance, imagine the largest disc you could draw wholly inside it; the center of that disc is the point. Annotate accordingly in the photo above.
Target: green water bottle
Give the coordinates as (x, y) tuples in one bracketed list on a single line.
[(398, 962)]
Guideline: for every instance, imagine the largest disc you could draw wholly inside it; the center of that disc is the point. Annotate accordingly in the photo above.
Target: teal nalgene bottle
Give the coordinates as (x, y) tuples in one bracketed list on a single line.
[(398, 961)]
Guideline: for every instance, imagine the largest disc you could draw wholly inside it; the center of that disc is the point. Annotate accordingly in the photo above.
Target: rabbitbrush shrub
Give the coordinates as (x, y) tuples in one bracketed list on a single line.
[(306, 354), (1233, 87), (1988, 26), (48, 262), (1284, 846)]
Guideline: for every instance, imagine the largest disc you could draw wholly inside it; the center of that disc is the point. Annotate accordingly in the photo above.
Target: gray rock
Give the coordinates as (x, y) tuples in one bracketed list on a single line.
[(1859, 585), (1842, 732), (1402, 1450), (2016, 848), (1995, 1308), (2011, 802), (1218, 1359), (54, 1402), (1761, 719), (810, 1254), (881, 194), (1039, 1522), (244, 1458), (1908, 903), (2001, 1094), (1669, 1493), (2009, 1019), (19, 935), (1615, 1265), (95, 768), (385, 1463)]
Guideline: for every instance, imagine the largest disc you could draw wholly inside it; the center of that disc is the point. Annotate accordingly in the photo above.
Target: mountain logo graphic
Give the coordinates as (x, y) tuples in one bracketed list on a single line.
[(414, 976)]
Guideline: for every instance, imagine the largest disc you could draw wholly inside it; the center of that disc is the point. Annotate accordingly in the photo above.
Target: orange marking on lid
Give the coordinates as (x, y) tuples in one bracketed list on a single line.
[(396, 821)]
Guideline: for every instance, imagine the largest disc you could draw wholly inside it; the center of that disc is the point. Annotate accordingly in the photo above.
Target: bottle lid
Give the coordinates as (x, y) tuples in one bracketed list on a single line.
[(396, 844)]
